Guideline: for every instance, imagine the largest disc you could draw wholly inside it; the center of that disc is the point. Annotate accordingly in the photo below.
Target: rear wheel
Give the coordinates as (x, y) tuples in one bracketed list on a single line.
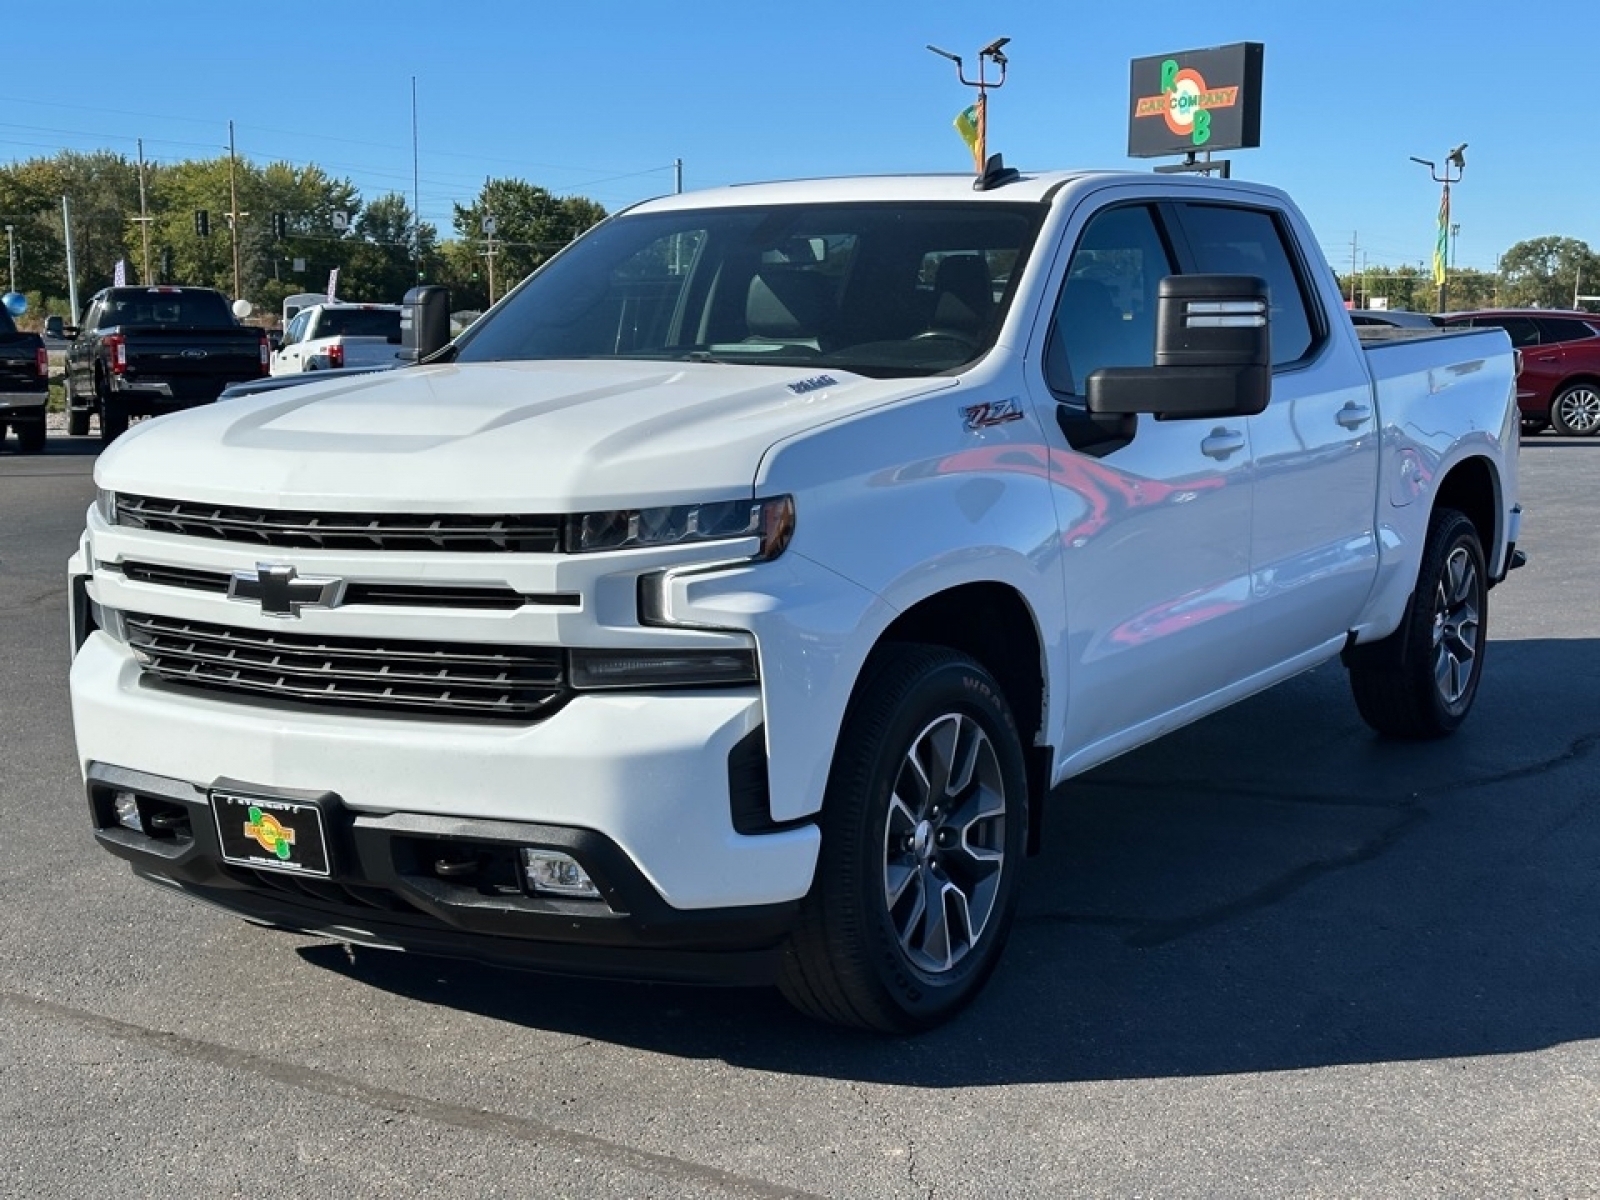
[(924, 827), (113, 418), (30, 437), (1575, 411), (1419, 682)]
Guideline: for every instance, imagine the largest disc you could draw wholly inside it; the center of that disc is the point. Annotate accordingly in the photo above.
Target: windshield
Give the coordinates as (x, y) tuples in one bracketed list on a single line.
[(878, 289)]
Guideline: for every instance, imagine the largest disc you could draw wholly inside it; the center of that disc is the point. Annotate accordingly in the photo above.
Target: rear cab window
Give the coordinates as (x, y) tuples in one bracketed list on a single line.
[(1227, 239)]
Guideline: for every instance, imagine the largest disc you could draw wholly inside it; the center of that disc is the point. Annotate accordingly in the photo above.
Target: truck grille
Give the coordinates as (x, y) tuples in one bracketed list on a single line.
[(514, 683), (466, 532)]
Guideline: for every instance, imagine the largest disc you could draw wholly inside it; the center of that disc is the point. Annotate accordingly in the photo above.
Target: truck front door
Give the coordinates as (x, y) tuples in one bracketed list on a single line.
[(1154, 528)]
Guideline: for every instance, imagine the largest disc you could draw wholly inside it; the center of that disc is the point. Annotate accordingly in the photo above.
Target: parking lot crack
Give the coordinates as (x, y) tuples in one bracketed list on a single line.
[(685, 1174)]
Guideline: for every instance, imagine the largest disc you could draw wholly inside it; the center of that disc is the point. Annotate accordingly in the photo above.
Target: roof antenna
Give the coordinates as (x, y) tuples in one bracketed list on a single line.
[(973, 123)]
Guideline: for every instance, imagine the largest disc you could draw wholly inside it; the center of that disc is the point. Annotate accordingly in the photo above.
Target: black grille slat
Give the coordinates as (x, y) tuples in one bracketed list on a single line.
[(471, 680), (464, 532), (401, 595), (179, 577)]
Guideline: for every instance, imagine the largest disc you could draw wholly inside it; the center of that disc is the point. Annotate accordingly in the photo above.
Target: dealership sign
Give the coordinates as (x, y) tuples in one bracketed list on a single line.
[(1195, 100)]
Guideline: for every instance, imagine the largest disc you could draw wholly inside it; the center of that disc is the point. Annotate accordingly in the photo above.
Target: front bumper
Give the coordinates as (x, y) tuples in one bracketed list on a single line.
[(650, 771), (387, 889)]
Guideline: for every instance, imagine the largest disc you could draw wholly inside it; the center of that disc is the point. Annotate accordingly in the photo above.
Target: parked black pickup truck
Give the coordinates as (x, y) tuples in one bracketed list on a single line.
[(143, 351), (24, 384)]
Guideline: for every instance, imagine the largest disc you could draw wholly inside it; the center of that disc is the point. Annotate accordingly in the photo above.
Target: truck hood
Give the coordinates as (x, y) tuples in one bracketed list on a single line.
[(514, 436)]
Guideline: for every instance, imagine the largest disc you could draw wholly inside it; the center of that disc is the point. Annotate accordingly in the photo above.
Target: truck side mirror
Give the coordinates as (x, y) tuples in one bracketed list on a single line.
[(424, 322), (1213, 354)]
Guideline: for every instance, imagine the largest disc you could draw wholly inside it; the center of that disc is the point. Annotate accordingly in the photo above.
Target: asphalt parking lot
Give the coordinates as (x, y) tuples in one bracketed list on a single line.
[(1270, 955)]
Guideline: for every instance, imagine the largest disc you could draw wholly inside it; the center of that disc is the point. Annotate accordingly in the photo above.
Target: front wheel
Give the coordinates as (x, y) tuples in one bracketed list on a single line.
[(1575, 411), (1419, 682), (924, 826)]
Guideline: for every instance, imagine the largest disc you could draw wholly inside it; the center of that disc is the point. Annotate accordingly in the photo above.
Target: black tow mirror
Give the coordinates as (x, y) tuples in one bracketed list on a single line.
[(1213, 354), (424, 323)]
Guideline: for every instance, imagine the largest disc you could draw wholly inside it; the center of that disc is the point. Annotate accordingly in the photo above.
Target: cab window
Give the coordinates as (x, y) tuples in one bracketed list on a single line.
[(1105, 315), (1232, 240)]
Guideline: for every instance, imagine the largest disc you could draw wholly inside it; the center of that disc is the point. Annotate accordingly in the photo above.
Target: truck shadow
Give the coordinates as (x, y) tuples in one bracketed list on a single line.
[(1271, 889)]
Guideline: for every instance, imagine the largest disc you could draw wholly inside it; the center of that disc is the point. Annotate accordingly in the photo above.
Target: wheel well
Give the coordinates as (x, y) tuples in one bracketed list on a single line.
[(1590, 380), (990, 622), (1470, 488)]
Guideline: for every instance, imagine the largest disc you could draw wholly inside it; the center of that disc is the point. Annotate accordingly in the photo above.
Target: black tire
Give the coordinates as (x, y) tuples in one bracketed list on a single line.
[(77, 421), (894, 836), (1575, 412), (30, 437), (113, 418), (2, 435), (1419, 682)]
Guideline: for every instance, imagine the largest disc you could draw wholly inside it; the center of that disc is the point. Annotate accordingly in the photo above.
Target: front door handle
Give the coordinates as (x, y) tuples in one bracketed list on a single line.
[(1222, 443), (1353, 416), (1547, 358)]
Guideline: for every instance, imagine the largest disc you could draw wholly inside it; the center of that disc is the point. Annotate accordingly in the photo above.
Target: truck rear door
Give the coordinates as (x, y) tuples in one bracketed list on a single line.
[(1314, 547)]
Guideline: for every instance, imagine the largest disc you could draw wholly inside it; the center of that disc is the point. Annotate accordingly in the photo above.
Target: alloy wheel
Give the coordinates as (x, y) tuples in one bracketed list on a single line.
[(944, 843)]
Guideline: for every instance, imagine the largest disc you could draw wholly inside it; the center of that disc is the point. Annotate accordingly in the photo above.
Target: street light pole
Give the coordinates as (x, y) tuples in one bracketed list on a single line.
[(11, 256), (1441, 250)]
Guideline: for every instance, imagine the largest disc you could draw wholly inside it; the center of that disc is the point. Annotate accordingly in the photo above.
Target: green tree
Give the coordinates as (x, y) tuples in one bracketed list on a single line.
[(530, 225), (385, 263), (1547, 271)]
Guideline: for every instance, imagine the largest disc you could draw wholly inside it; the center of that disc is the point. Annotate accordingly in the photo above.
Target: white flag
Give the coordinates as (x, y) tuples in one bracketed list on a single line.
[(333, 284), (119, 276)]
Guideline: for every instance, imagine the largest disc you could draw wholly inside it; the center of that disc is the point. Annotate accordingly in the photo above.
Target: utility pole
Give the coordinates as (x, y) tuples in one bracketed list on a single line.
[(11, 254), (416, 191), (72, 269), (144, 217), (677, 175), (489, 225), (1353, 237), (233, 212)]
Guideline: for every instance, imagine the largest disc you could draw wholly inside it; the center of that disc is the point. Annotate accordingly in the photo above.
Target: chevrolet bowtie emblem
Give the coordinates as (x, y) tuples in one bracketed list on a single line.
[(282, 592)]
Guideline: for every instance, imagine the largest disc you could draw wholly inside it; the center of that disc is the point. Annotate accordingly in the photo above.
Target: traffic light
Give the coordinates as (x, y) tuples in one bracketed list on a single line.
[(280, 226), (166, 264), (202, 222)]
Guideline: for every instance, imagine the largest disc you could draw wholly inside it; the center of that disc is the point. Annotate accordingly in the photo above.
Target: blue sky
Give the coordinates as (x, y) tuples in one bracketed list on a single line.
[(599, 99)]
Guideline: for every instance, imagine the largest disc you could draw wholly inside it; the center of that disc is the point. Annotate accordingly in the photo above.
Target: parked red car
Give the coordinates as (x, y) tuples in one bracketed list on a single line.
[(1560, 381)]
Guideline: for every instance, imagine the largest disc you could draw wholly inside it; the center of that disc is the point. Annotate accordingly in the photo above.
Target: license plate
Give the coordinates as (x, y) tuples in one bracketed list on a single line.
[(271, 834)]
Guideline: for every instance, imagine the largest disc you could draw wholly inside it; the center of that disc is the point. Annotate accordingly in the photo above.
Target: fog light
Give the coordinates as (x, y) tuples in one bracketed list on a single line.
[(552, 873), (125, 807)]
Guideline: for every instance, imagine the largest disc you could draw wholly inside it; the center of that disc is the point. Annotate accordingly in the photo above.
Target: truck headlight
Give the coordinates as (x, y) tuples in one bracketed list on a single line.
[(105, 503), (771, 520)]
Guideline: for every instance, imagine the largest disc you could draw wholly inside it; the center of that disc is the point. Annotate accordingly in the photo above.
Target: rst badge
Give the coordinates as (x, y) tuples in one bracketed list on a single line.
[(282, 592), (991, 412)]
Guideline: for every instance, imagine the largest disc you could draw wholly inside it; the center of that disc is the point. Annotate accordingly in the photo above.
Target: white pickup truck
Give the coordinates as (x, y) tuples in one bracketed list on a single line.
[(326, 337), (726, 603)]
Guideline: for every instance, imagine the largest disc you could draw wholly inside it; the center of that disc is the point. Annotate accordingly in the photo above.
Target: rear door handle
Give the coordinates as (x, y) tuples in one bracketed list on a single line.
[(1354, 416), (1222, 443)]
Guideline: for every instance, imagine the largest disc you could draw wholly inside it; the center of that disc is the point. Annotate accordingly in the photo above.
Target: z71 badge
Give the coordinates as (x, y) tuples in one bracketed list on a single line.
[(991, 412)]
